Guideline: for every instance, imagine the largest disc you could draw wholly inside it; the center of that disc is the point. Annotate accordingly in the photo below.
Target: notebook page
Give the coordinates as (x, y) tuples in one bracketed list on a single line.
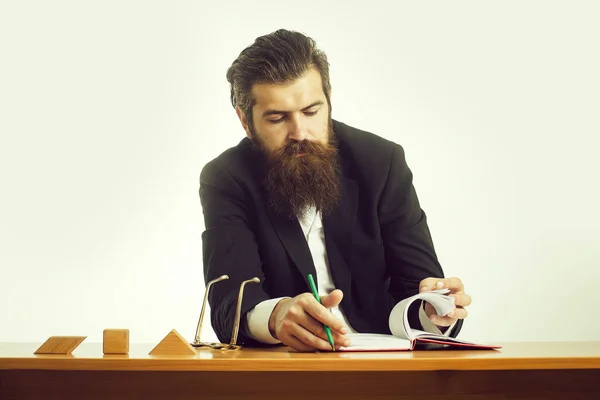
[(398, 321), (375, 342)]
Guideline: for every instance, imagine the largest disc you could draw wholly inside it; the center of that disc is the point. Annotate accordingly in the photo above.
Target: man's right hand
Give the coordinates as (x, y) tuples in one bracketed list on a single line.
[(298, 322)]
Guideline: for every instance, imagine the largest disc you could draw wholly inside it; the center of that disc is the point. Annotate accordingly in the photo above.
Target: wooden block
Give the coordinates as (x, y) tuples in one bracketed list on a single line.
[(173, 344), (60, 344), (115, 341)]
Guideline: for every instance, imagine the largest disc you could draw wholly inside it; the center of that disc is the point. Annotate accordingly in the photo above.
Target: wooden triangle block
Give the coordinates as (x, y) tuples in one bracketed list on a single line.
[(173, 344), (60, 344)]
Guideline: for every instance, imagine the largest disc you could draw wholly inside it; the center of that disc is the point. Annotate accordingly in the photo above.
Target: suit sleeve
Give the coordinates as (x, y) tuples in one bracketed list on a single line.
[(228, 247), (409, 251)]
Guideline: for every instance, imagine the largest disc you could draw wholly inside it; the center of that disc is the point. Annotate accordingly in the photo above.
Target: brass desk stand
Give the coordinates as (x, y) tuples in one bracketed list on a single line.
[(236, 323)]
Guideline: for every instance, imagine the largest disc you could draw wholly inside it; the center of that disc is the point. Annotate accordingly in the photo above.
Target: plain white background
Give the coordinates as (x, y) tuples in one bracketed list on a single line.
[(109, 110)]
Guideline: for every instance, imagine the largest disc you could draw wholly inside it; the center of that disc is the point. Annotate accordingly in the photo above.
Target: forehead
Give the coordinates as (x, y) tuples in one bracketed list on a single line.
[(290, 96)]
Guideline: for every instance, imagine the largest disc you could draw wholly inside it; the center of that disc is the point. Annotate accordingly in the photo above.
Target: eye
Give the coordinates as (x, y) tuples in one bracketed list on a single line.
[(275, 121), (310, 113)]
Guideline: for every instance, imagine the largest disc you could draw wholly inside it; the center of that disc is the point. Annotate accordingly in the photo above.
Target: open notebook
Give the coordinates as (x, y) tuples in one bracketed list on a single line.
[(403, 337)]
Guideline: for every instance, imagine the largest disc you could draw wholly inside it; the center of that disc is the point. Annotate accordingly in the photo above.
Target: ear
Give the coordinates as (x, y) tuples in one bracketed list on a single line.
[(244, 121)]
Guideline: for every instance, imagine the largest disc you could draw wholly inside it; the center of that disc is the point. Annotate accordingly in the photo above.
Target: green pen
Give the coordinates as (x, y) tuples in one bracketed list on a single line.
[(313, 288)]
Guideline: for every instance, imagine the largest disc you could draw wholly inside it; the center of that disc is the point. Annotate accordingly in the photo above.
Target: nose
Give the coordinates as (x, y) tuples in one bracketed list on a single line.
[(297, 131)]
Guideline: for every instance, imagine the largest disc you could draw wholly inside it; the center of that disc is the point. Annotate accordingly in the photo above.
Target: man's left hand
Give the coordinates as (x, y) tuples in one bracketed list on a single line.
[(457, 290)]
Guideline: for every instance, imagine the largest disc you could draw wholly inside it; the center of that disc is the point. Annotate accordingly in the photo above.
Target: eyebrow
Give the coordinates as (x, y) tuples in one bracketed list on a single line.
[(272, 112)]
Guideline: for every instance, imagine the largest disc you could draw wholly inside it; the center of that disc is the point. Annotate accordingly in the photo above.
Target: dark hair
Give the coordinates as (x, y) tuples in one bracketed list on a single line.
[(278, 57)]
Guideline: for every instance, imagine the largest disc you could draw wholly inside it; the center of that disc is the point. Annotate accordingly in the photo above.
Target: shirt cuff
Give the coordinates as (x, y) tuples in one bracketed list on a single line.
[(429, 326), (257, 321)]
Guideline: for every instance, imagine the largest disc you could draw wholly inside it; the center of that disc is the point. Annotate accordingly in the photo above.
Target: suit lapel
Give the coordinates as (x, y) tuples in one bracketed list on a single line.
[(339, 228), (291, 236)]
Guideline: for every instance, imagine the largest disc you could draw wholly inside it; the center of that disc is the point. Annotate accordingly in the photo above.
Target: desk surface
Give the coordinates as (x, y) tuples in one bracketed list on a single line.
[(521, 356)]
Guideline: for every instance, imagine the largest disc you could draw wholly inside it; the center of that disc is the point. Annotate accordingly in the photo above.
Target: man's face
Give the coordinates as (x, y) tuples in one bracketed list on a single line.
[(293, 129), (285, 114)]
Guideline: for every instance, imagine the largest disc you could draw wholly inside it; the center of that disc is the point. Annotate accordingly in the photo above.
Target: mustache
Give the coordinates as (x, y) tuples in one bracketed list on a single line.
[(308, 147)]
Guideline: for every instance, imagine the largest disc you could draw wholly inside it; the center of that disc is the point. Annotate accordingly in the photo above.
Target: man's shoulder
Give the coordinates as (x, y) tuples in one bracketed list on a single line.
[(235, 158), (362, 146)]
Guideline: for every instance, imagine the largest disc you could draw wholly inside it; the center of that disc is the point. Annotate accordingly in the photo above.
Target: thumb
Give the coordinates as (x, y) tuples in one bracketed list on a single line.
[(428, 284), (332, 299)]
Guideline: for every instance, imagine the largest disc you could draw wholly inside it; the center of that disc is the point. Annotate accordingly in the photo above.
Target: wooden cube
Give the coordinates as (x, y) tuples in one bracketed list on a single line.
[(116, 341)]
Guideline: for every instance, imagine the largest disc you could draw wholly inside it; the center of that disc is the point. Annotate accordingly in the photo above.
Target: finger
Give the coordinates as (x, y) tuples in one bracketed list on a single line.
[(323, 315), (317, 328), (461, 299), (295, 344), (309, 339), (297, 315), (295, 336), (458, 313), (454, 284), (428, 284), (333, 299)]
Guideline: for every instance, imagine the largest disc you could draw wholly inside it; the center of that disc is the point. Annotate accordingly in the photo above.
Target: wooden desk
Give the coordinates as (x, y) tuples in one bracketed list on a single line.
[(517, 371)]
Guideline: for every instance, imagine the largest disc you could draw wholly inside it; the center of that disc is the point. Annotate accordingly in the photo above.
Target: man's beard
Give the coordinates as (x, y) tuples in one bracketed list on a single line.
[(294, 183)]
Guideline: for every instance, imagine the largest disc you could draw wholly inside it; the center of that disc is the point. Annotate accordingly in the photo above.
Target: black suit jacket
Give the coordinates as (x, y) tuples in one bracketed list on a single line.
[(378, 242)]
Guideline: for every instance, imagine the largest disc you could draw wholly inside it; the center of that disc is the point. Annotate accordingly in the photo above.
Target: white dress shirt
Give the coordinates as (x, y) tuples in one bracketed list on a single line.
[(258, 318)]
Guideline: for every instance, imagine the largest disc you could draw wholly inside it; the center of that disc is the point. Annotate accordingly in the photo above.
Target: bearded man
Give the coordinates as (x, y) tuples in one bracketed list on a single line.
[(305, 194)]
